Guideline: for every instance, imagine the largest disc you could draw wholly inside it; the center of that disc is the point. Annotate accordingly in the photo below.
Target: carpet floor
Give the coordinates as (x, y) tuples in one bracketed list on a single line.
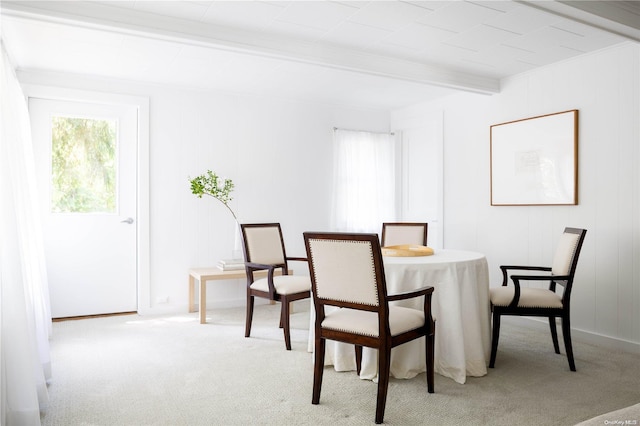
[(171, 370)]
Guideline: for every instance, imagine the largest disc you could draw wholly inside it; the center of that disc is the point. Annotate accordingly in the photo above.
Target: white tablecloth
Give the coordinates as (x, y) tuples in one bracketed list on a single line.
[(460, 306)]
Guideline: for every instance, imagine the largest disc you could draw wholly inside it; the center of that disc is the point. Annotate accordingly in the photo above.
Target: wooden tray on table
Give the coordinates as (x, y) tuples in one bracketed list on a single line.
[(407, 250)]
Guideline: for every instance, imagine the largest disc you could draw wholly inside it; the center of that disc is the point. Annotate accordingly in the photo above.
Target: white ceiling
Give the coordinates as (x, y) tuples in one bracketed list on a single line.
[(380, 54)]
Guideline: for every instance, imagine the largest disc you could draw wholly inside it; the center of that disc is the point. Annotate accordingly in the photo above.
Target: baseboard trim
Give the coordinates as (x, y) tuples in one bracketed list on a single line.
[(579, 335), (80, 317)]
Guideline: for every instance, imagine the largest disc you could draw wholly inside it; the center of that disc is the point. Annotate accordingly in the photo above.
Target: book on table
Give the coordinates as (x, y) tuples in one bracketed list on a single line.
[(231, 264)]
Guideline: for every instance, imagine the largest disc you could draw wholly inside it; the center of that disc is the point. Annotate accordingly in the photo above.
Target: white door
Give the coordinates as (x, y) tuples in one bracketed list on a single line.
[(86, 161)]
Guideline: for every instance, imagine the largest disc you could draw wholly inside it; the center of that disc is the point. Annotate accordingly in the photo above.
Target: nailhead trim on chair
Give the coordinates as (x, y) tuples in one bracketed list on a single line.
[(567, 246), (373, 275)]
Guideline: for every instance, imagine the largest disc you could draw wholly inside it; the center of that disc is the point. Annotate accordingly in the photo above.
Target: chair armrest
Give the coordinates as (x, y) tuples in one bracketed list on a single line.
[(256, 266), (411, 294), (427, 292), (252, 266), (526, 268), (297, 259), (539, 277), (260, 266), (516, 283), (506, 268)]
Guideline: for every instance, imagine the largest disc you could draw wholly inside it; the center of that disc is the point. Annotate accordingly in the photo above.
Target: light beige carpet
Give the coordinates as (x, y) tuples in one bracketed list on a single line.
[(171, 370), (625, 416)]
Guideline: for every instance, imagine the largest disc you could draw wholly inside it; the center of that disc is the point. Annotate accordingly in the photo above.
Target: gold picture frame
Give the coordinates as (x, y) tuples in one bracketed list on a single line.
[(534, 161)]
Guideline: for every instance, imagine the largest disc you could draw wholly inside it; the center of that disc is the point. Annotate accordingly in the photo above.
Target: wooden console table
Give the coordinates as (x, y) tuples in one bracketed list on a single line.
[(213, 274)]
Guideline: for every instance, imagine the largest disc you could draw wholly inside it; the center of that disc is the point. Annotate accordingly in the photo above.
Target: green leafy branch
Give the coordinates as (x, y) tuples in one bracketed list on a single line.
[(213, 185)]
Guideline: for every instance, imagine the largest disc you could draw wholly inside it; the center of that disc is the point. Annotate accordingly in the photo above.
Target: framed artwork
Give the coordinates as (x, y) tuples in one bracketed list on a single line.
[(534, 161)]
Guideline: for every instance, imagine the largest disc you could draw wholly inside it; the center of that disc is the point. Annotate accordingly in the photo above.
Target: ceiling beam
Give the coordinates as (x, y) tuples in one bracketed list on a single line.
[(101, 16)]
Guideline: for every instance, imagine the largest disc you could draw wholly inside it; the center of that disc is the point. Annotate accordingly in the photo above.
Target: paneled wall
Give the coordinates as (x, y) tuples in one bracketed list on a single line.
[(605, 88)]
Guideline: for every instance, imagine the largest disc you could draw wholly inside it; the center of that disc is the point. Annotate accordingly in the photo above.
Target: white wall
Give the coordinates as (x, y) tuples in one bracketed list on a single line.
[(279, 154), (605, 88), (277, 151), (421, 183)]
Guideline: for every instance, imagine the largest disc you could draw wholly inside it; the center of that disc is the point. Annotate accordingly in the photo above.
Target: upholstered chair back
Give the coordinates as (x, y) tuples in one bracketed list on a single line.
[(565, 254), (344, 271), (264, 244), (404, 233)]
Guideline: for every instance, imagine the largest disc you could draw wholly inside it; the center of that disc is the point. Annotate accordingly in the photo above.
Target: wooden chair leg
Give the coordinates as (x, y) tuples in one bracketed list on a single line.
[(384, 366), (494, 339), (566, 335), (247, 326), (430, 351), (554, 334), (284, 319), (318, 369), (358, 350)]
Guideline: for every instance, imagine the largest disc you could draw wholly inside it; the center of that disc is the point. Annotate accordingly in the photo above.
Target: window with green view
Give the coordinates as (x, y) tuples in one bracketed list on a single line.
[(84, 165)]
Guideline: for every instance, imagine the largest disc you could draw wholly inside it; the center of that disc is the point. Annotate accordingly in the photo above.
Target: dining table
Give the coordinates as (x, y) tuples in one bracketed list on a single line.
[(460, 306)]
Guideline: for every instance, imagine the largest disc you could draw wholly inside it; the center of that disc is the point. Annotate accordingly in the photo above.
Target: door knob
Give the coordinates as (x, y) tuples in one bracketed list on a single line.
[(128, 220)]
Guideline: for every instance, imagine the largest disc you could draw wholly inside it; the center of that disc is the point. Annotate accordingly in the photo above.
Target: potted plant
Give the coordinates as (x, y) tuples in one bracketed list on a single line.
[(220, 188), (214, 186)]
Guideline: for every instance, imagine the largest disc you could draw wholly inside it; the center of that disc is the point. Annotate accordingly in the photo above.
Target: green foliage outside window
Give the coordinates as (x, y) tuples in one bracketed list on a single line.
[(84, 173)]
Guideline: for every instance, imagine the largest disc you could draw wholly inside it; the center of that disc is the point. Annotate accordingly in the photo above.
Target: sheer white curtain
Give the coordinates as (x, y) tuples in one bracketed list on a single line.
[(25, 319), (364, 180)]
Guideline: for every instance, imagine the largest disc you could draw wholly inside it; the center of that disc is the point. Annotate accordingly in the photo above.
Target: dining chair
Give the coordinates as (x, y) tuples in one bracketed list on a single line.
[(264, 249), (541, 302), (352, 306), (396, 233)]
